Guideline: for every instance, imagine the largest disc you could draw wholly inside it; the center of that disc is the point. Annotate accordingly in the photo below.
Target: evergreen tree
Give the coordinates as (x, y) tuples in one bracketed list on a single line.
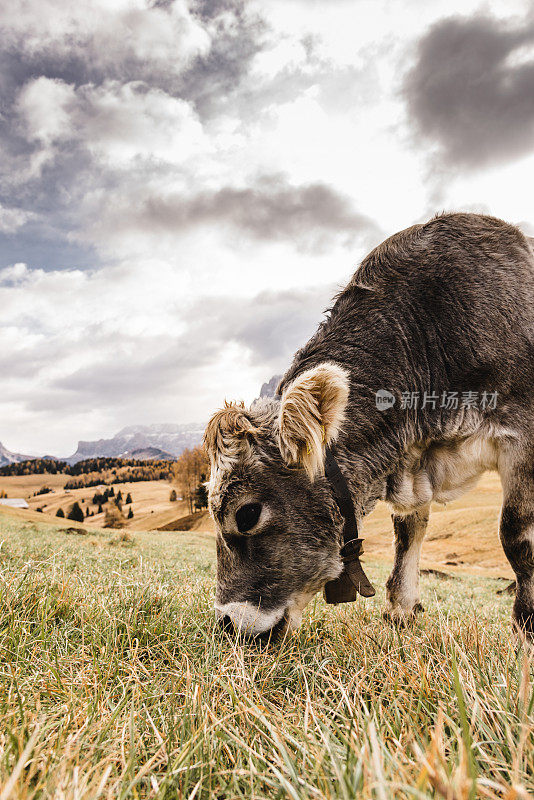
[(119, 496), (100, 509), (173, 498), (60, 513), (130, 513), (111, 492), (128, 499), (76, 513), (201, 495)]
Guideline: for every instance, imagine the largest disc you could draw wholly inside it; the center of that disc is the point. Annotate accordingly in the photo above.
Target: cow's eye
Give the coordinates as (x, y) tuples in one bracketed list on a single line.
[(247, 516)]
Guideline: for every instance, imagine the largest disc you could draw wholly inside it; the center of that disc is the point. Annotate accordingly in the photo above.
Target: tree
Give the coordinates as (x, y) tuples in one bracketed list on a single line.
[(173, 496), (118, 503), (87, 511), (111, 491), (188, 471), (76, 513), (114, 517), (119, 496), (130, 513), (201, 494), (100, 509), (60, 513), (128, 499)]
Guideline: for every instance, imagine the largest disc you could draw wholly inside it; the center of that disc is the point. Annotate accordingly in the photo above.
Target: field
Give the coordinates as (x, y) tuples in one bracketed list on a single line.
[(116, 682), (462, 536), (151, 505)]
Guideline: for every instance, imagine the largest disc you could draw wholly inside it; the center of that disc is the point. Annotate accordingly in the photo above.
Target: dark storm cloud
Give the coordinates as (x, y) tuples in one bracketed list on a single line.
[(472, 90), (52, 193), (272, 209), (206, 79)]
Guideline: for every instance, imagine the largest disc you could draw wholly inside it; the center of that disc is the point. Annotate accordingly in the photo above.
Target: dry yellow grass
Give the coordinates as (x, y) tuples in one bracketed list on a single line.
[(151, 505), (115, 682)]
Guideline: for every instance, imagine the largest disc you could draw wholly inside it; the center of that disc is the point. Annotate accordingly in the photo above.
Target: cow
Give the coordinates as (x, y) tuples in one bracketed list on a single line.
[(419, 379)]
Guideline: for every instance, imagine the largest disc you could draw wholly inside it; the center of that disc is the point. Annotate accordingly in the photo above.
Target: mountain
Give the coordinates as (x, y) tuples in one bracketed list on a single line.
[(172, 439), (141, 442), (7, 457), (269, 389), (149, 454)]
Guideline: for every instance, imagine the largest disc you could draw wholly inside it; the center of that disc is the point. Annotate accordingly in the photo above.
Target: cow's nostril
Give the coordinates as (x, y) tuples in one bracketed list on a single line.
[(225, 621)]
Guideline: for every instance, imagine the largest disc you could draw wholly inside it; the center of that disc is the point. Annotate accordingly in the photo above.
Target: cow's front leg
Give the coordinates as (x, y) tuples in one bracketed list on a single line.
[(402, 586)]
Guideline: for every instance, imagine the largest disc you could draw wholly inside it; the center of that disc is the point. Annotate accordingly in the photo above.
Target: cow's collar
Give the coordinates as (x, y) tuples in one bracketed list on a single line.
[(352, 580)]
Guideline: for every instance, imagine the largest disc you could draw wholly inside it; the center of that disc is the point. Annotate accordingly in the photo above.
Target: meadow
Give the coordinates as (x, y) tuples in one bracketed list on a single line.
[(151, 504), (117, 683)]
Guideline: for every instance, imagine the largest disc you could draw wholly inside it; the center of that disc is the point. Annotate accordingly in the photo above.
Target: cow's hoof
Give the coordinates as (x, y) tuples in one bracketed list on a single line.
[(402, 616)]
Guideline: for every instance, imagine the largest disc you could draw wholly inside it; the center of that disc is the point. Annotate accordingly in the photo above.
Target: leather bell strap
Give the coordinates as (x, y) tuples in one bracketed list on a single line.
[(352, 580)]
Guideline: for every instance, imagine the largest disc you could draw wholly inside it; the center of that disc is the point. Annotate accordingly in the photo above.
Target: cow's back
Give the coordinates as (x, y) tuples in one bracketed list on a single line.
[(460, 290), (447, 305), (480, 262)]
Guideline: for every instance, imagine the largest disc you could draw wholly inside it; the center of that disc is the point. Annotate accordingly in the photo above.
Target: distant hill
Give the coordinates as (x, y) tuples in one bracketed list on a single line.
[(7, 457), (149, 454), (171, 439)]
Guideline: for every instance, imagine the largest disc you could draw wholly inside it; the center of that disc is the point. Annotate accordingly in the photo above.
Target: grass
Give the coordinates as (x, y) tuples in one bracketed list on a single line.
[(115, 683), (151, 499)]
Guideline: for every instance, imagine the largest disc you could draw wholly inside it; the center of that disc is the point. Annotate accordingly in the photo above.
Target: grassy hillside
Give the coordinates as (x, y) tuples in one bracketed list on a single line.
[(462, 536), (117, 683), (151, 505)]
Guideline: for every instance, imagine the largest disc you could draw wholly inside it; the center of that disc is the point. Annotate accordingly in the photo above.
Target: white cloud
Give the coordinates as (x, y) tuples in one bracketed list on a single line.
[(11, 219), (123, 122), (110, 31), (116, 122), (44, 105)]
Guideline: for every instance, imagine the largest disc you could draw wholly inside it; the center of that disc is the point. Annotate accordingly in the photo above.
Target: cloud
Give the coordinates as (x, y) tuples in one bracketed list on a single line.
[(74, 343), (116, 122), (272, 209), (471, 90), (11, 219), (197, 51), (267, 328), (94, 40)]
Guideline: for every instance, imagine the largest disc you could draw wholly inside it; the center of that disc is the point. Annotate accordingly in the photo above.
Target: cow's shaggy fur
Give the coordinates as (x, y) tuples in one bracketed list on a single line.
[(443, 307)]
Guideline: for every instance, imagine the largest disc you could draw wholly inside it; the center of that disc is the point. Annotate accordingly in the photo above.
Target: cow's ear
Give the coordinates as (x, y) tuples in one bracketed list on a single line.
[(311, 412)]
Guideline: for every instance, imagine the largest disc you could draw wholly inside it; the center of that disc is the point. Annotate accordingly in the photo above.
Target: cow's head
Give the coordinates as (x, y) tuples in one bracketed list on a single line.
[(278, 528)]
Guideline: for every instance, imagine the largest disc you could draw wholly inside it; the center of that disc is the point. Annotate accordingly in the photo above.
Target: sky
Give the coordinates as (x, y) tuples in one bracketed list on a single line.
[(185, 184)]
